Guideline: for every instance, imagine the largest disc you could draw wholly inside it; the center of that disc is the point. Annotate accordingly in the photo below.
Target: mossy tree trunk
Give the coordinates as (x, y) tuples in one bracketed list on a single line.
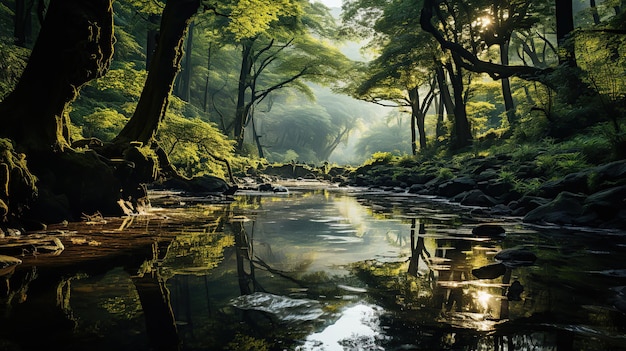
[(74, 46)]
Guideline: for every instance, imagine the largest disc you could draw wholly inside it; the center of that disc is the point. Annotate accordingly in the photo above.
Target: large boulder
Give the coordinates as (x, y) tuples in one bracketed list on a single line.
[(198, 185), (572, 182), (609, 175), (476, 197), (456, 186), (566, 208), (526, 204), (607, 208)]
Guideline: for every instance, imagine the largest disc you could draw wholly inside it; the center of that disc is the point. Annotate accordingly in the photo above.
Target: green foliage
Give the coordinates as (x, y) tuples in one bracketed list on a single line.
[(557, 165), (382, 157), (148, 7), (603, 61), (507, 176), (103, 124), (479, 113), (386, 136), (194, 146), (289, 156), (125, 80), (445, 173), (252, 17), (528, 186), (247, 343), (12, 62)]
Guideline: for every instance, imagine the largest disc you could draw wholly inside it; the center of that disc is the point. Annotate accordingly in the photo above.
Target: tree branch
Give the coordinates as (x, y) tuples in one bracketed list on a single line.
[(473, 63)]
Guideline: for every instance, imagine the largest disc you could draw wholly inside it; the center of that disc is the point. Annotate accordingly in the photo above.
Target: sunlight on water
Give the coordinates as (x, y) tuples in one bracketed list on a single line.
[(357, 328)]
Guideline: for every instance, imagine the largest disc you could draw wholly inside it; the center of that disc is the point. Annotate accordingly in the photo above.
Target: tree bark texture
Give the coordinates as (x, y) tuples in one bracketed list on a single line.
[(461, 132), (74, 46), (564, 27), (154, 99), (509, 104), (241, 113)]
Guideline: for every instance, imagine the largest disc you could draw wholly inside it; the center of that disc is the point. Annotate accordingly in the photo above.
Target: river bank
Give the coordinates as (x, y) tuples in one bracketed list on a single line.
[(592, 197)]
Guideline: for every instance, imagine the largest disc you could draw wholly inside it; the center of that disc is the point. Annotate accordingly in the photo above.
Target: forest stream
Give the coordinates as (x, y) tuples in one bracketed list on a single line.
[(312, 268)]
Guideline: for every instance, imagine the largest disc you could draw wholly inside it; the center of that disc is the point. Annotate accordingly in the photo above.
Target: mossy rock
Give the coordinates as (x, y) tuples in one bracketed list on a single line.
[(17, 184)]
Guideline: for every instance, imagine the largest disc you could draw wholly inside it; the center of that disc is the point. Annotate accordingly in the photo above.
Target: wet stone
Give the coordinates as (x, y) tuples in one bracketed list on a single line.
[(488, 230), (516, 257), (515, 291), (490, 271)]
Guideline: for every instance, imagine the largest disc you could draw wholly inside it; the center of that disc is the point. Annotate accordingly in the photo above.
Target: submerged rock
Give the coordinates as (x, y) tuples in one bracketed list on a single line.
[(273, 188), (490, 271), (516, 257), (515, 291), (488, 230)]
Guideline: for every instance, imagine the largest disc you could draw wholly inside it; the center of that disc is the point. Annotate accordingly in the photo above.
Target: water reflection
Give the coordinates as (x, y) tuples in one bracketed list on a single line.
[(313, 269)]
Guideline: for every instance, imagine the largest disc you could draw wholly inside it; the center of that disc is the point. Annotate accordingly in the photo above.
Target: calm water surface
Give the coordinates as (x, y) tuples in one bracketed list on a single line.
[(314, 269)]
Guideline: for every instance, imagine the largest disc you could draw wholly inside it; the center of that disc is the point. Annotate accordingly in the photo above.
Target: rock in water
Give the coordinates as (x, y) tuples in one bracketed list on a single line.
[(488, 230), (516, 257), (515, 291), (490, 271)]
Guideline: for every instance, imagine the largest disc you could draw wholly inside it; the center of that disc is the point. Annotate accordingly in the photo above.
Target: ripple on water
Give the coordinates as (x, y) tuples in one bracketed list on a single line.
[(285, 308)]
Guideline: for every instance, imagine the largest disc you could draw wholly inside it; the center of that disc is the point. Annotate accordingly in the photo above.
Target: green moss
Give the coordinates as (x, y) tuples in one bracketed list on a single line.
[(247, 343)]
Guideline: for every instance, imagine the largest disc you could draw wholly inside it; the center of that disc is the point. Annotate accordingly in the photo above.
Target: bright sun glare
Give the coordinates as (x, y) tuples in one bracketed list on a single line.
[(483, 298)]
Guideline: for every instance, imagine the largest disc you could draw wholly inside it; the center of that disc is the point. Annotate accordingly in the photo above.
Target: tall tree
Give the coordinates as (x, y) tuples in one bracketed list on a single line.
[(75, 47), (150, 111), (497, 25), (405, 64), (284, 55), (564, 27)]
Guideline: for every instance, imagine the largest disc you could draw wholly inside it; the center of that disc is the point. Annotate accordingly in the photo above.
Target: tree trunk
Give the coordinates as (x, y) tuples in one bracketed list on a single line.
[(22, 25), (256, 136), (154, 99), (444, 91), (509, 105), (74, 46), (594, 12), (328, 150), (152, 37), (241, 112), (461, 132), (183, 88), (205, 104), (564, 26), (417, 117), (440, 128)]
